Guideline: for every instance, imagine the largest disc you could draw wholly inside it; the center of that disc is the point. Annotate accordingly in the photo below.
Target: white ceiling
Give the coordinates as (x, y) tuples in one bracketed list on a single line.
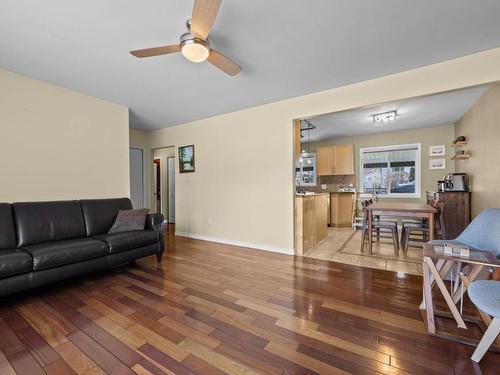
[(287, 48), (421, 112)]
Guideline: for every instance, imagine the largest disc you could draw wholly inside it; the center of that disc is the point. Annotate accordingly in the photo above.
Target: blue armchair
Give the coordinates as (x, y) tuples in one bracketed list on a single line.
[(482, 234)]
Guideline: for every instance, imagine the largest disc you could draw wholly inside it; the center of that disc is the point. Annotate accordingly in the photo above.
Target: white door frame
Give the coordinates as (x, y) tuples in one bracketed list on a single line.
[(170, 210)]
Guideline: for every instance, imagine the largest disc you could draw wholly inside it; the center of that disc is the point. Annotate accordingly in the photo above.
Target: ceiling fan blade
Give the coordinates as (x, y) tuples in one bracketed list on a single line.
[(202, 20), (223, 63), (156, 51)]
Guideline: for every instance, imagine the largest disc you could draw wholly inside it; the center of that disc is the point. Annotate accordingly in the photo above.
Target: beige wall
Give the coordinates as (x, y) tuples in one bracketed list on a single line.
[(481, 126), (433, 136), (58, 144), (242, 190)]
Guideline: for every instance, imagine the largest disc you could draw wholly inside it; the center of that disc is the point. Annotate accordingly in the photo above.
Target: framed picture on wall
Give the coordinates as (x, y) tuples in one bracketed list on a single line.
[(437, 163), (437, 150), (186, 159)]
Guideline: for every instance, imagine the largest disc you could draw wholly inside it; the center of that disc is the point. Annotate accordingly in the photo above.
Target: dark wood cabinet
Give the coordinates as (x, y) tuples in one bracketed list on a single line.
[(456, 211)]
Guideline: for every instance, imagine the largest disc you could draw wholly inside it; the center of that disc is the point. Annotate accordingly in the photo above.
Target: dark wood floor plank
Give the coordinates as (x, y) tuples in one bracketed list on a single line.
[(24, 364), (98, 354), (59, 367), (164, 359), (37, 346), (12, 318), (5, 366), (9, 342), (121, 351), (199, 366)]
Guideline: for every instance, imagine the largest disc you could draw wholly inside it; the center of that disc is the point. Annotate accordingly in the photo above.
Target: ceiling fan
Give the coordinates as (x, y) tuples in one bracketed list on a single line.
[(194, 44)]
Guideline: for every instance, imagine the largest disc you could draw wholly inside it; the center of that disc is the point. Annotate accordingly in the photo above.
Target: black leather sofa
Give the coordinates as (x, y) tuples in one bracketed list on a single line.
[(45, 242)]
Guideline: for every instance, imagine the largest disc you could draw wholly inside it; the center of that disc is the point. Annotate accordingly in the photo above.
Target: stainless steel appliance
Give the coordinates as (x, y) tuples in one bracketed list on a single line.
[(456, 182)]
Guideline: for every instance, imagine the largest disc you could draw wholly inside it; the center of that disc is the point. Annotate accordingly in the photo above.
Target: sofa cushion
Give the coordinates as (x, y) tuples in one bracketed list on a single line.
[(39, 222), (128, 240), (58, 253), (100, 214), (13, 262), (7, 230), (128, 220)]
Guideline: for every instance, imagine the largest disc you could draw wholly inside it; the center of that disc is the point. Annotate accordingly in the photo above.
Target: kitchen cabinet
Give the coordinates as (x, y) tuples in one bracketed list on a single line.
[(325, 161), (344, 159), (311, 221), (335, 160), (341, 209)]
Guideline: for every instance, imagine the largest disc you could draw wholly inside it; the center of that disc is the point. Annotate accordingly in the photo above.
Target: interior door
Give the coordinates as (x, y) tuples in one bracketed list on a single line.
[(136, 158), (157, 185), (171, 189)]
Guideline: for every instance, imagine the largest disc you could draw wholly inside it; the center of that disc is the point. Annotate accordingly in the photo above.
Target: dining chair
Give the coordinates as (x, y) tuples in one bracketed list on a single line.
[(421, 229), (379, 227), (485, 295)]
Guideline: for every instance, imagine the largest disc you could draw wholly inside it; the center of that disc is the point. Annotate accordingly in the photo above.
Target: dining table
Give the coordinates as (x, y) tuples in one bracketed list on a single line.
[(402, 210)]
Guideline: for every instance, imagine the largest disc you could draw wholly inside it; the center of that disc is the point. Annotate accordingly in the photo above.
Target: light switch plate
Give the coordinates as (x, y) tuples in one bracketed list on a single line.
[(323, 186)]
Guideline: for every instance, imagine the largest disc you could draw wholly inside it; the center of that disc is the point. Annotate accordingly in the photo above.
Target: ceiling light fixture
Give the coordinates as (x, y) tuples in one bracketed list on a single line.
[(384, 117), (194, 49)]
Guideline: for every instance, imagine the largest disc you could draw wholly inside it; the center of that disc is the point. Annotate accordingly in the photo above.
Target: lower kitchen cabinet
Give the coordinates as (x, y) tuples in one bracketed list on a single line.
[(341, 209), (311, 221)]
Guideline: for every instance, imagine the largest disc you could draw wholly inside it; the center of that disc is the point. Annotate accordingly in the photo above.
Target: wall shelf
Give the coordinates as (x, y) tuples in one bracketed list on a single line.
[(461, 157)]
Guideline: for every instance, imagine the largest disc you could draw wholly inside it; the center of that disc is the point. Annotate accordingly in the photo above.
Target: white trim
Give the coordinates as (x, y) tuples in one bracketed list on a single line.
[(418, 167), (236, 243)]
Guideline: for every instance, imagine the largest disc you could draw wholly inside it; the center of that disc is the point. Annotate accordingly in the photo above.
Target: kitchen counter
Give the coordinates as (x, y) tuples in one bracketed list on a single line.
[(310, 195)]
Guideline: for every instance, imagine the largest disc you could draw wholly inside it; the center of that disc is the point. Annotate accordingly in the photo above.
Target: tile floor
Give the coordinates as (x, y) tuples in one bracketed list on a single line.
[(343, 245)]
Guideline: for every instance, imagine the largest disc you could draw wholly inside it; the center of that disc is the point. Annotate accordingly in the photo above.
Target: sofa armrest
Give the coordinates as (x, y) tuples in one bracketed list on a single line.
[(154, 221)]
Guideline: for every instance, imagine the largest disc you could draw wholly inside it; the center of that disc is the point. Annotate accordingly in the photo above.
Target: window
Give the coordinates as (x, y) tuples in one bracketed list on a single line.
[(393, 171), (305, 170)]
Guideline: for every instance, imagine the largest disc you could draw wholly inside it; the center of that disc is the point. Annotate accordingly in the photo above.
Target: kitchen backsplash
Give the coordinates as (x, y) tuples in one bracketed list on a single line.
[(333, 183)]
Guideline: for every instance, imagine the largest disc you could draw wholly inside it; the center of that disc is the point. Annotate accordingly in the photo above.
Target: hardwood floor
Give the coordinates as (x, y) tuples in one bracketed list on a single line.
[(214, 309)]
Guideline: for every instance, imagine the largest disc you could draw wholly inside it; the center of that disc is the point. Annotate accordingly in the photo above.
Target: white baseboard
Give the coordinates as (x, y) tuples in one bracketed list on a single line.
[(236, 243)]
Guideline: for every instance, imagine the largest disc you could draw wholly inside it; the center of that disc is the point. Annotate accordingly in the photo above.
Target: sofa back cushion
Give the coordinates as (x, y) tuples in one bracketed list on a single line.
[(38, 222), (7, 231), (100, 214)]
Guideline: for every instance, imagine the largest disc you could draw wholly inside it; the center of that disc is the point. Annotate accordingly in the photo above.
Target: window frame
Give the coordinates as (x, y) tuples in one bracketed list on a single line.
[(418, 169)]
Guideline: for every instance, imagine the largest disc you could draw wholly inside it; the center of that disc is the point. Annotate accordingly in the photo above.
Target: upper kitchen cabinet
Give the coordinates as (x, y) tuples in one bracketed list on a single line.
[(325, 161), (344, 159), (335, 160)]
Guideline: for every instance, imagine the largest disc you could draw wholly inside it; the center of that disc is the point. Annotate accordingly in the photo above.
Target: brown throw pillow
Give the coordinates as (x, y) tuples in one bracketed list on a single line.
[(128, 220)]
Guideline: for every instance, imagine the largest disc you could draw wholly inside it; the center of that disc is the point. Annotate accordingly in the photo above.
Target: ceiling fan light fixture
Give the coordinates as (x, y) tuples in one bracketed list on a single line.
[(194, 49)]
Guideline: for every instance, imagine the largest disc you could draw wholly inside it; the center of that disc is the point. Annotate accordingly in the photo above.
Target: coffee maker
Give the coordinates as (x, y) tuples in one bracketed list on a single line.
[(454, 182)]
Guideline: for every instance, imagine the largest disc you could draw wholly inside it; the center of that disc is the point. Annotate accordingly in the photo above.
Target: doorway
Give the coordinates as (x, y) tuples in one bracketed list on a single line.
[(157, 185), (163, 186), (171, 189)]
